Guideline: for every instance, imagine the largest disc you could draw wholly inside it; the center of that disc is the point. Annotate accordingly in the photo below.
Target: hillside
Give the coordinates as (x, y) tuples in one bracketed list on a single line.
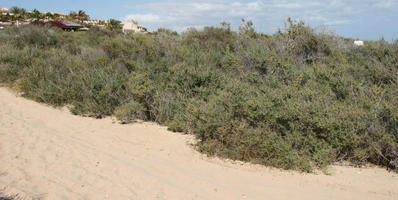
[(298, 99)]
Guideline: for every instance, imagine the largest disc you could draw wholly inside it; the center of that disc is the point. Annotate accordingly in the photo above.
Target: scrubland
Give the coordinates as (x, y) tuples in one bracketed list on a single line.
[(299, 99)]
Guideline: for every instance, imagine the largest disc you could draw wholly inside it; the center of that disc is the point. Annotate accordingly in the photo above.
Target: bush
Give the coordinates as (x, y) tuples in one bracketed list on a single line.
[(39, 37), (299, 99), (128, 112), (97, 91)]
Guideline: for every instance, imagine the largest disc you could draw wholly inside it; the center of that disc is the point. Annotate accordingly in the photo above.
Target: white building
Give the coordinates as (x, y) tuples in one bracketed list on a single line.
[(133, 27), (91, 22), (4, 11), (358, 43)]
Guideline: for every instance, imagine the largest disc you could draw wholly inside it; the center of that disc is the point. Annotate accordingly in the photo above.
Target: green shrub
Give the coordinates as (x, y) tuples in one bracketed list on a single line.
[(128, 112), (44, 83), (37, 37), (299, 99), (97, 91)]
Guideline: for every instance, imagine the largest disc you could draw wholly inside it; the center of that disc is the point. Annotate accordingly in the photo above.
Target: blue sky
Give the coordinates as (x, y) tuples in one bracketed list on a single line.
[(359, 19)]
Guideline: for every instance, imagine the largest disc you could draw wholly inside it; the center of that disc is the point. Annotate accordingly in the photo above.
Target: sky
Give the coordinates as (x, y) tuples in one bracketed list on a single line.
[(358, 19)]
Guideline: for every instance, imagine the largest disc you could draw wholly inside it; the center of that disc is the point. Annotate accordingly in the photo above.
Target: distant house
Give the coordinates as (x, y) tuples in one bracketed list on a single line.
[(133, 27), (4, 11), (358, 43), (91, 22), (67, 25)]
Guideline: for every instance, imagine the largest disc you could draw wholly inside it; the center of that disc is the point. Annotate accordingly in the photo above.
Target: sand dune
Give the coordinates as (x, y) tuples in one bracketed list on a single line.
[(47, 153)]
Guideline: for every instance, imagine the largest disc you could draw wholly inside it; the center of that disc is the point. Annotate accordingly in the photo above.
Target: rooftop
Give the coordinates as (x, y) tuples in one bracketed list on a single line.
[(70, 23)]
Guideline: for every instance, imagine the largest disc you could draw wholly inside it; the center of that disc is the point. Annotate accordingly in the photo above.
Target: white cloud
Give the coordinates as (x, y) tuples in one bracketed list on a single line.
[(266, 14)]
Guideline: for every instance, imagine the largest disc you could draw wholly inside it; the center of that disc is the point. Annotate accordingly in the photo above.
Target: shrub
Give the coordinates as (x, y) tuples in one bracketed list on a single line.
[(97, 91), (128, 112), (37, 37), (299, 99)]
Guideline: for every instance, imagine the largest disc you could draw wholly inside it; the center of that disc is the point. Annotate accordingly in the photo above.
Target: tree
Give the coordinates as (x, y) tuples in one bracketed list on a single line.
[(49, 15), (15, 9), (81, 15), (36, 14), (114, 25), (19, 13), (56, 17), (22, 13), (72, 15)]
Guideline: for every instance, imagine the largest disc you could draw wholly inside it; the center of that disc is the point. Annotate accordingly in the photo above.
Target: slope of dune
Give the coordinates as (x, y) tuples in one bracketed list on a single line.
[(47, 153)]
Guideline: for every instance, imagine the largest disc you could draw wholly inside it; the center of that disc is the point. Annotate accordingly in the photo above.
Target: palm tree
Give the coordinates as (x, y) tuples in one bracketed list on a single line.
[(114, 25), (72, 15), (22, 13), (36, 14), (49, 15), (82, 16), (56, 17), (19, 13), (15, 9)]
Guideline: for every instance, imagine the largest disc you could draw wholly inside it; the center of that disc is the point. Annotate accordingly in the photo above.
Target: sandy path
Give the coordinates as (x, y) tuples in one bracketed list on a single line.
[(48, 153)]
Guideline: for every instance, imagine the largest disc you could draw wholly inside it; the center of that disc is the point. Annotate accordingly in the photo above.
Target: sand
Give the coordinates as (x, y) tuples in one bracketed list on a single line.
[(48, 153)]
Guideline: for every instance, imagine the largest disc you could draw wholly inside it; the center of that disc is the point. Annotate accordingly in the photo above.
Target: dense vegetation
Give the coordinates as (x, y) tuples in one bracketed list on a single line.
[(298, 99), (22, 14)]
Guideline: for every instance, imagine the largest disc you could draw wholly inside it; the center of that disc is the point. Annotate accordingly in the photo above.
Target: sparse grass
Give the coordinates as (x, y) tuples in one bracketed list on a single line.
[(296, 100)]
